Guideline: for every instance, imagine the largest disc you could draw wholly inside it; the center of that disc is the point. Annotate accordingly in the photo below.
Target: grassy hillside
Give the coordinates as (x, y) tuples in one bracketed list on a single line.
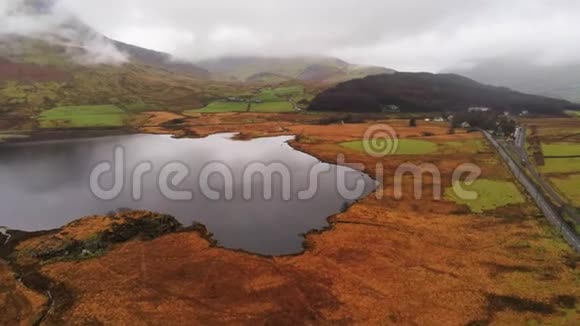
[(423, 92), (82, 116), (36, 76), (267, 99)]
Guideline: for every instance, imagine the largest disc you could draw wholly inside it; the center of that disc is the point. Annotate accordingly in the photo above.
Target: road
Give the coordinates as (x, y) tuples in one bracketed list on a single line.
[(294, 105), (544, 204), (520, 149), (521, 140)]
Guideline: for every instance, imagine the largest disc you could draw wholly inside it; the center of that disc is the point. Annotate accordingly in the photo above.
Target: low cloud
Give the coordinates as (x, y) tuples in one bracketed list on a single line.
[(47, 20), (411, 35)]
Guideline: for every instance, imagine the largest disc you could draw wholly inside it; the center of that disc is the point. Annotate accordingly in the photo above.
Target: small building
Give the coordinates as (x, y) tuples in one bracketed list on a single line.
[(440, 119), (465, 125), (234, 99), (478, 109), (390, 108)]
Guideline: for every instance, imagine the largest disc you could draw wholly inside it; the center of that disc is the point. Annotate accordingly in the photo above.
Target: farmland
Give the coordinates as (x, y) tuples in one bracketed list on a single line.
[(491, 194), (560, 144), (427, 145), (82, 117), (570, 186), (266, 100), (280, 106), (561, 165), (561, 149), (223, 106)]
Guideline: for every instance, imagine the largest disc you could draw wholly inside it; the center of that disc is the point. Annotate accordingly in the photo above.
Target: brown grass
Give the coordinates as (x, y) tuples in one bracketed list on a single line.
[(18, 304), (383, 261)]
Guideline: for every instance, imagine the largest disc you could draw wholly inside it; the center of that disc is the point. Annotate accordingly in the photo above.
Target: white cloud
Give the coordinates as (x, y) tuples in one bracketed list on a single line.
[(59, 27), (414, 34)]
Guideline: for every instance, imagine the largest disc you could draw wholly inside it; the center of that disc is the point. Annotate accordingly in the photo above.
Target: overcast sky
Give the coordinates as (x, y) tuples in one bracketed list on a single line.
[(406, 35)]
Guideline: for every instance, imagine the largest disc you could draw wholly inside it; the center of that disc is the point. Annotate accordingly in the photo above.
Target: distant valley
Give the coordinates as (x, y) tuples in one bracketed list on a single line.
[(272, 69), (553, 81)]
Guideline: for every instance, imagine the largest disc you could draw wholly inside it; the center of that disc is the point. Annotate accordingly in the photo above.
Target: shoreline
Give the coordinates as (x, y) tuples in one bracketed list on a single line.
[(292, 143), (379, 259), (64, 134)]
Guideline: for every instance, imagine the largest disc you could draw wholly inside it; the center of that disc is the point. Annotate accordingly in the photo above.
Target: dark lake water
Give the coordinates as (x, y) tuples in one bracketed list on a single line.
[(45, 185)]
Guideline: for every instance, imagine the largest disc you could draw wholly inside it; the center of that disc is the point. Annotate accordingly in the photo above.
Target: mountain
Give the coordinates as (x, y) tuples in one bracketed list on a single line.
[(160, 60), (425, 92), (37, 75), (44, 77), (266, 78), (69, 63), (314, 69), (553, 81), (83, 44)]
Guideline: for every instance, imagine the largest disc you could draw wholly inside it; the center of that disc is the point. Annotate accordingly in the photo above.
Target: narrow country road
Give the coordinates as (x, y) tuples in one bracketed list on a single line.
[(544, 204), (520, 143), (294, 105)]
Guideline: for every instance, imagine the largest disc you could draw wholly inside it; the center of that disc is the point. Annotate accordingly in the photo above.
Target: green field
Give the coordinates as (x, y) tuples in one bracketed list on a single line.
[(272, 107), (561, 149), (82, 117), (405, 146), (569, 187), (573, 113), (275, 100), (272, 100), (223, 106), (269, 95), (471, 146), (491, 195), (279, 94), (289, 91), (561, 165)]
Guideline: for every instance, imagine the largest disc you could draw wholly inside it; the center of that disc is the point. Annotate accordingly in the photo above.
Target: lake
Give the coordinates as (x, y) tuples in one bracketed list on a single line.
[(45, 185)]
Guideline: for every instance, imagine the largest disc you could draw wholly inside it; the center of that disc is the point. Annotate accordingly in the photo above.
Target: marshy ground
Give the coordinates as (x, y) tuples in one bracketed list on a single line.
[(383, 261)]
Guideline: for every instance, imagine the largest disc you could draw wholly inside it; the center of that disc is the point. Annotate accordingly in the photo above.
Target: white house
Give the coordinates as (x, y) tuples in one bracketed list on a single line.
[(390, 108), (478, 109)]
